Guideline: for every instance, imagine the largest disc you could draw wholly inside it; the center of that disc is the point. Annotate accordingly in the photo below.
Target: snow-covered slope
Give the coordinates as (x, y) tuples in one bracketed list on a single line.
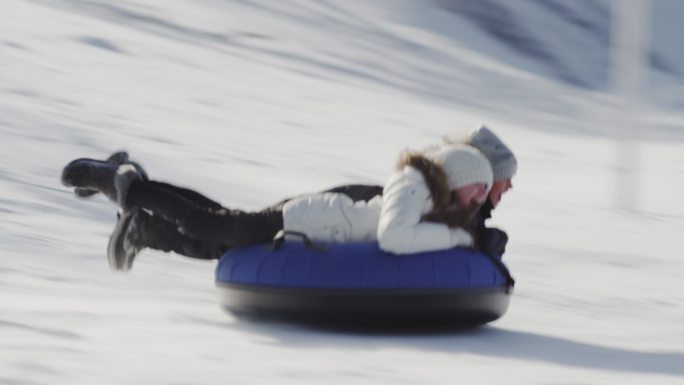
[(254, 100), (571, 40)]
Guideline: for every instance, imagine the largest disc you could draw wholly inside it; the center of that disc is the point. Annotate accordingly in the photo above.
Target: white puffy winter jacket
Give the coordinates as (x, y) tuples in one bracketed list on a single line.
[(393, 219)]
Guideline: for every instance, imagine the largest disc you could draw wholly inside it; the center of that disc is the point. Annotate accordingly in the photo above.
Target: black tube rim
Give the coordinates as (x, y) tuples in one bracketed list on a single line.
[(398, 306)]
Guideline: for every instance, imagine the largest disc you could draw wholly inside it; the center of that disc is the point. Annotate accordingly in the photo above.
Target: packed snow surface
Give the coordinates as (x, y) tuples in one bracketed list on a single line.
[(251, 101)]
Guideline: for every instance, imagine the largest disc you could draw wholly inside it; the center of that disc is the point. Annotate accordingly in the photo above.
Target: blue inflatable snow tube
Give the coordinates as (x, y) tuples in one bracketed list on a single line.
[(358, 283)]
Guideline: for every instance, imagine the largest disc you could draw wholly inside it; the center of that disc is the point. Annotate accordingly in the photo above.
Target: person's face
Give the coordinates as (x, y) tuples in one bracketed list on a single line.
[(498, 189), (471, 194)]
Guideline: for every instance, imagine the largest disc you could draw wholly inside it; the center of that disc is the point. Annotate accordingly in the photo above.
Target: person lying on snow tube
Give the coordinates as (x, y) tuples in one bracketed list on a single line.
[(428, 204), (504, 164)]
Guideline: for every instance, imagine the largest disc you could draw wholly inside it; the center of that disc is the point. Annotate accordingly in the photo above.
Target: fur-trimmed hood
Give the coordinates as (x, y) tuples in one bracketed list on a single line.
[(434, 175)]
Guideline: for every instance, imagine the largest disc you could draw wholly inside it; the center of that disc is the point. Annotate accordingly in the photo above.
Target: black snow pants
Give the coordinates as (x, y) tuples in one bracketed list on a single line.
[(186, 222)]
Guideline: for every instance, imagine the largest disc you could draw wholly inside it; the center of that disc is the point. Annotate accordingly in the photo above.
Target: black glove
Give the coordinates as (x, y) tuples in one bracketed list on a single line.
[(492, 241)]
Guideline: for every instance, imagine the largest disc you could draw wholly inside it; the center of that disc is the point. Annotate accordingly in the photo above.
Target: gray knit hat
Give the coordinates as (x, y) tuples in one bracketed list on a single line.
[(504, 164), (463, 165)]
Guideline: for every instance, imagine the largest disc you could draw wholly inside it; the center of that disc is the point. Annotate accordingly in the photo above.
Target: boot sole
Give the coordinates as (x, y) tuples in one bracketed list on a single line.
[(116, 253)]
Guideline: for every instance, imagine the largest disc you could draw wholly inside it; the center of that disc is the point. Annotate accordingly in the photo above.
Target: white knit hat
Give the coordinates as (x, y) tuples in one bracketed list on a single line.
[(464, 165), (503, 162)]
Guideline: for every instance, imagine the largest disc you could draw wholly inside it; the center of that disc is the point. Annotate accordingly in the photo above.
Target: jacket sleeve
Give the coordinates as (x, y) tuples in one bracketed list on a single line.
[(400, 231)]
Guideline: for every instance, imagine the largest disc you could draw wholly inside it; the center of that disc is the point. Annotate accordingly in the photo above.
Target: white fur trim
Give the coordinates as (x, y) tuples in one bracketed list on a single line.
[(125, 175)]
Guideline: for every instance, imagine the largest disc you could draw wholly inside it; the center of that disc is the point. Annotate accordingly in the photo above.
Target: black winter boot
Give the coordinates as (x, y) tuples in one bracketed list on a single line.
[(90, 176), (125, 241), (124, 176), (137, 230)]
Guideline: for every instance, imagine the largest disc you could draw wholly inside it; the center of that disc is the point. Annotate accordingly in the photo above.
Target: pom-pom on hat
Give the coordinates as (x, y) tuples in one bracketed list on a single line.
[(463, 165), (503, 162)]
